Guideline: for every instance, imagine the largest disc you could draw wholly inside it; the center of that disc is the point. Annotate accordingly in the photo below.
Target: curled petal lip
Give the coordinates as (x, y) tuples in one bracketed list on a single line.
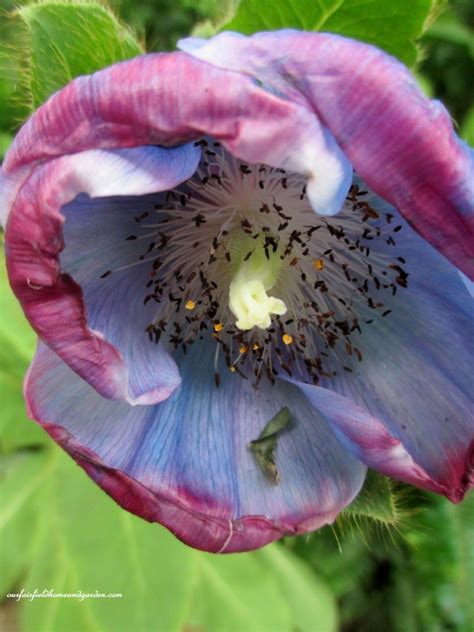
[(173, 98), (102, 115)]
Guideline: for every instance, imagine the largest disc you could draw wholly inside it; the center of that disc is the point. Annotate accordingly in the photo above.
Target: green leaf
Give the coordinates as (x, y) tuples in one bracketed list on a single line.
[(347, 553), (425, 84), (462, 520), (15, 330), (62, 40), (449, 28), (16, 430), (223, 11), (21, 476), (9, 73), (17, 345), (424, 582), (467, 129), (5, 141), (311, 603), (392, 26), (87, 543), (237, 593), (267, 590), (12, 110)]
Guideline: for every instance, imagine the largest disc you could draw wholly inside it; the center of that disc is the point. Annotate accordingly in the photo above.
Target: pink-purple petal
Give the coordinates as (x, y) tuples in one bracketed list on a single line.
[(401, 143), (170, 98), (186, 463)]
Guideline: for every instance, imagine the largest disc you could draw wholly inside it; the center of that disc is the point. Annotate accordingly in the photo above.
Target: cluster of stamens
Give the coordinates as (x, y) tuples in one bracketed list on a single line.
[(227, 220)]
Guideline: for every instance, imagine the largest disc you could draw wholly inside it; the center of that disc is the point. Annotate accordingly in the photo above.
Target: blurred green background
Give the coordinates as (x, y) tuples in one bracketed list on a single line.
[(398, 560)]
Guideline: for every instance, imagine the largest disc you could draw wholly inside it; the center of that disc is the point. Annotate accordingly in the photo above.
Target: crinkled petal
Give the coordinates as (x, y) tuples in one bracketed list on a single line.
[(407, 408), (53, 301), (401, 143), (186, 463), (168, 98)]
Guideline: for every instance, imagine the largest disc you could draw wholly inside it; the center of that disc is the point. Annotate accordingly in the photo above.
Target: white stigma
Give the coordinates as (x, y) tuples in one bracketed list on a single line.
[(248, 298), (251, 305)]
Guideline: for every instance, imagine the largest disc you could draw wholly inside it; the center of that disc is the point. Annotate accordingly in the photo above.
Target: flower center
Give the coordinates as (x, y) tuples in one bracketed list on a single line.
[(248, 298), (237, 254)]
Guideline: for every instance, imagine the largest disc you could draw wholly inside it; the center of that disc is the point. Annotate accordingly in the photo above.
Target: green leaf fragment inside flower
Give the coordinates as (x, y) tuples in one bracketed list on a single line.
[(264, 447)]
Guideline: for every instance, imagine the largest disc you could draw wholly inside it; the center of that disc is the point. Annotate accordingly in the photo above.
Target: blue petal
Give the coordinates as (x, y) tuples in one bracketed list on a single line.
[(95, 235), (191, 451), (412, 392)]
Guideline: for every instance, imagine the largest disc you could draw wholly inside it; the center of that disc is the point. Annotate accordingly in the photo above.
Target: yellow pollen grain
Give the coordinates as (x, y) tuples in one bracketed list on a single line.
[(243, 349), (218, 327), (255, 347), (233, 369), (190, 304), (287, 339), (318, 264)]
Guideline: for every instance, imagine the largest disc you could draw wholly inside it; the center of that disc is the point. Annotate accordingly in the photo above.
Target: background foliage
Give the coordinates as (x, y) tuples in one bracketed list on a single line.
[(398, 559)]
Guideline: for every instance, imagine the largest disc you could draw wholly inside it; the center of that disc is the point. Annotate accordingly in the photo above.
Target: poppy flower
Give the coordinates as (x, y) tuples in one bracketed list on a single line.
[(242, 262)]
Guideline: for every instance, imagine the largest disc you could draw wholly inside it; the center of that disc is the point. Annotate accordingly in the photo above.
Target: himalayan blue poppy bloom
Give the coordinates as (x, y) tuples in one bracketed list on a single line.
[(205, 238)]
